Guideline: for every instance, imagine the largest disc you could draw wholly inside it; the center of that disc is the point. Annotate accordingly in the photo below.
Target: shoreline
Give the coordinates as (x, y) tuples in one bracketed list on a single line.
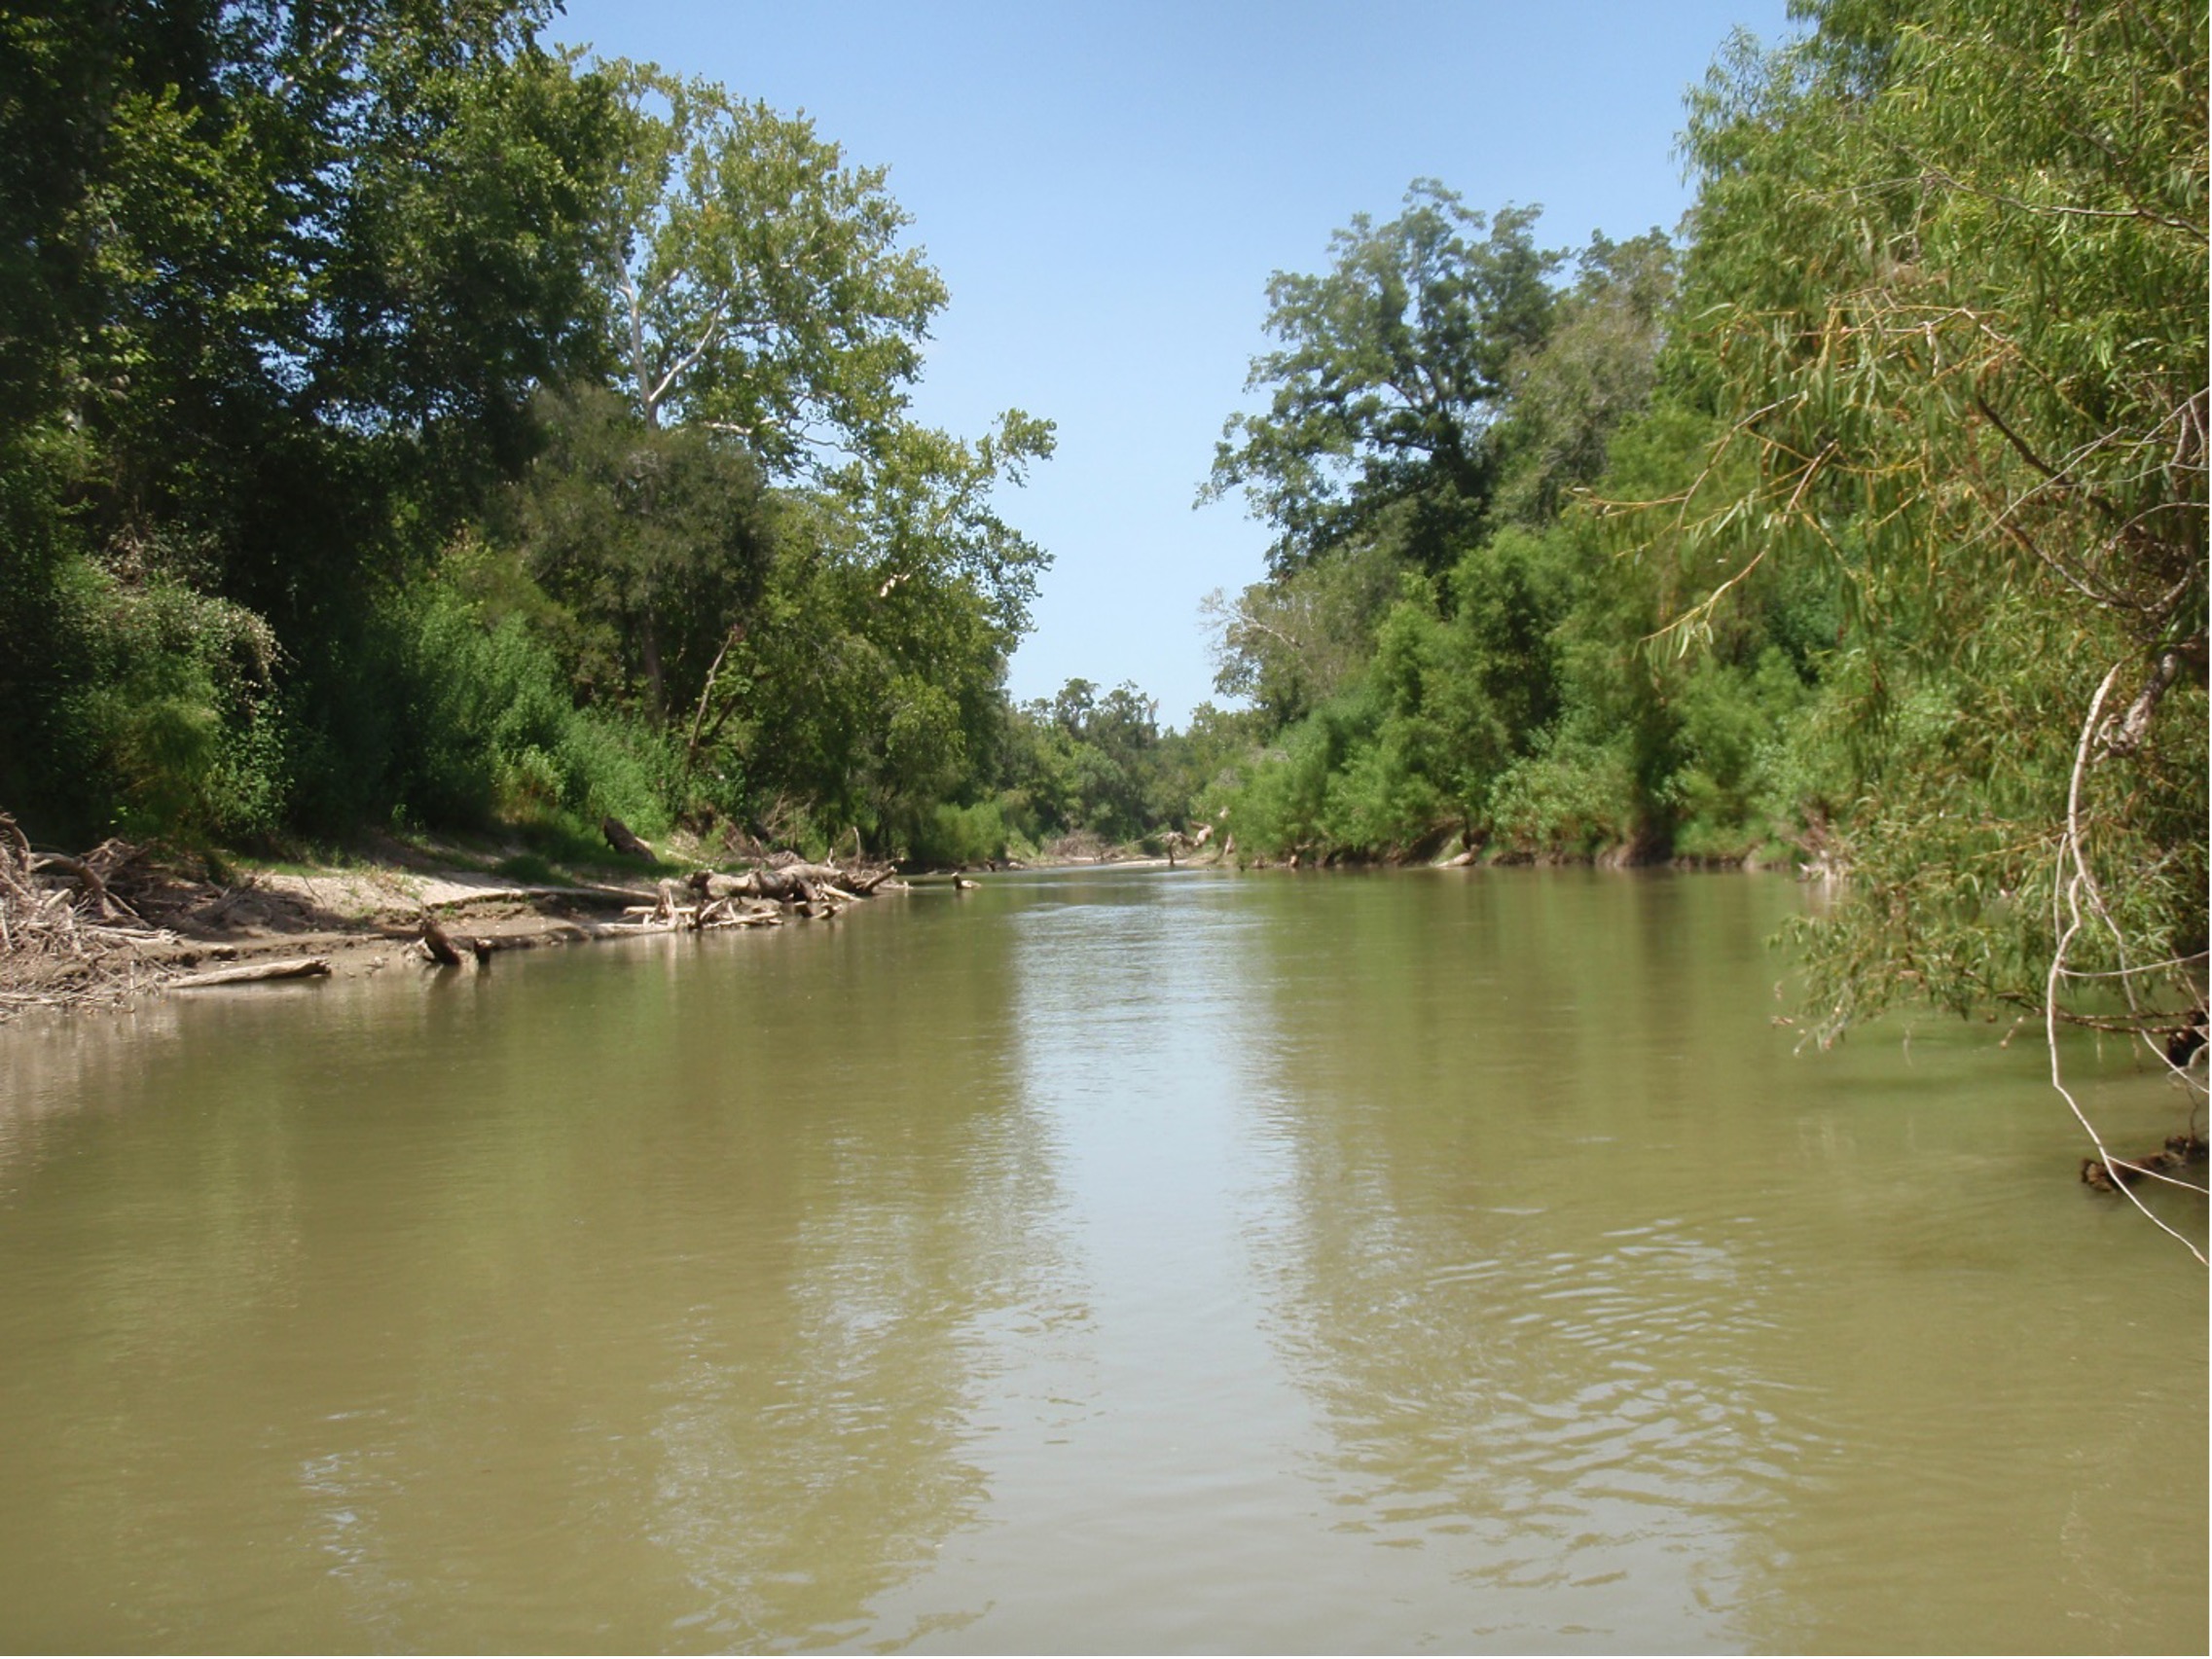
[(137, 927), (120, 926)]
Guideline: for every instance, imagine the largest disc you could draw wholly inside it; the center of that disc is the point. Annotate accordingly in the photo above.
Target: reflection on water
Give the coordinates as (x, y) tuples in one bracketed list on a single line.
[(1109, 1260), (590, 1301), (1652, 1335)]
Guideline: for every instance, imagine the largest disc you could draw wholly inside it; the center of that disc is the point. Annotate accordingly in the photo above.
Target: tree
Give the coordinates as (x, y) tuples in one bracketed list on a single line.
[(657, 544), (1595, 368), (1291, 643), (1393, 373), (1948, 284), (1082, 761), (754, 281), (268, 266), (764, 323)]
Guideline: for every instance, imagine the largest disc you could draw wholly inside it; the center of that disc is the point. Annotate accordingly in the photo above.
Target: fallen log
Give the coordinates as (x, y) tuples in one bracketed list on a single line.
[(858, 879), (621, 838), (250, 973), (794, 882), (787, 886)]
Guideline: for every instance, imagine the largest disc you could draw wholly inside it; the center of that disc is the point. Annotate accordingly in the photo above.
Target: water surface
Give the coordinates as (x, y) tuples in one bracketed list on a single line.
[(1131, 1260)]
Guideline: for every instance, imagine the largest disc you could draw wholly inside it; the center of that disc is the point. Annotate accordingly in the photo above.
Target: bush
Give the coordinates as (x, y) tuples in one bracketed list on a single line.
[(485, 732), (962, 835), (171, 712)]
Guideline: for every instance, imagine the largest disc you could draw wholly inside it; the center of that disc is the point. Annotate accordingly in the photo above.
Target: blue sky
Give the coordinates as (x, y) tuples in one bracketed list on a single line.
[(1106, 189)]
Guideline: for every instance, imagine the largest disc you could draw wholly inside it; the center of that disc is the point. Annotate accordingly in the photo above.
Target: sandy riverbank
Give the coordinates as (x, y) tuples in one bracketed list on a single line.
[(121, 922)]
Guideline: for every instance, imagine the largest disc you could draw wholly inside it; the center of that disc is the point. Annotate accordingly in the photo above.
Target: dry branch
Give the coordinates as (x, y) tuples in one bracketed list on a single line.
[(66, 935)]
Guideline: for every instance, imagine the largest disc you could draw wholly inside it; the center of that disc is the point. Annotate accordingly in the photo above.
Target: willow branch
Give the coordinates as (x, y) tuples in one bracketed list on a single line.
[(2070, 852)]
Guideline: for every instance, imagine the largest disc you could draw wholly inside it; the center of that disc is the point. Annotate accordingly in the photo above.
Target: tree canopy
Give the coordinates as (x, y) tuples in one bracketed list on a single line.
[(405, 421), (1392, 375), (755, 282)]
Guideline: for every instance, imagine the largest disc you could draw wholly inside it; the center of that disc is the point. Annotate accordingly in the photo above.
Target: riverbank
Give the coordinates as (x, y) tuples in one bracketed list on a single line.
[(122, 921)]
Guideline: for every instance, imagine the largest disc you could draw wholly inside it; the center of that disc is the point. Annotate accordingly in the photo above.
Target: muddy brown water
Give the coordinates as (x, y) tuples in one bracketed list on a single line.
[(1101, 1261)]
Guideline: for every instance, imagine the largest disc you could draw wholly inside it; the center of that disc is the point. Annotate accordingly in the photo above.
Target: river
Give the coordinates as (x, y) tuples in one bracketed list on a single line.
[(1118, 1260)]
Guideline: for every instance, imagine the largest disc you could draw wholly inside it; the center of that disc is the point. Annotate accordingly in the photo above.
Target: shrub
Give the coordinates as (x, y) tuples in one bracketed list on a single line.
[(961, 835)]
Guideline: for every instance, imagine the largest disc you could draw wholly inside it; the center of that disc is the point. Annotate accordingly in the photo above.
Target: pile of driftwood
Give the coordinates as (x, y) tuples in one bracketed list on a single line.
[(764, 896), (69, 932)]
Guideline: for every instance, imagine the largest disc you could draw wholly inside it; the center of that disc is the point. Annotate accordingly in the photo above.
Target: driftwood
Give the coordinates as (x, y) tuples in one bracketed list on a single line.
[(623, 839), (801, 883), (82, 872), (700, 901), (2181, 1150), (66, 935), (250, 973), (696, 918), (758, 897)]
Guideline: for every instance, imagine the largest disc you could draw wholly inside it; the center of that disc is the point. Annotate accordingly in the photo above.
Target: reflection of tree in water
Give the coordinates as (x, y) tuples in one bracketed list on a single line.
[(595, 1304), (814, 1378), (1650, 1329), (1534, 1353), (810, 1449)]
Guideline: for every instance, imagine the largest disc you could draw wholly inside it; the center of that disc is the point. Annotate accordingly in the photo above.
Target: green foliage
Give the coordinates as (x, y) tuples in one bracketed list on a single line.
[(292, 301), (1579, 794), (1085, 762), (753, 283), (853, 699), (1200, 765), (962, 837), (1392, 375), (1297, 797), (1294, 642), (1971, 391), (1423, 657), (655, 543), (175, 716), (279, 290), (750, 547), (1597, 366), (488, 732)]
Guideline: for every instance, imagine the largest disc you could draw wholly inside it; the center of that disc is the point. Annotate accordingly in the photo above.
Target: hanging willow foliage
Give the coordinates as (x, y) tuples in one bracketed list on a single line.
[(1947, 306)]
